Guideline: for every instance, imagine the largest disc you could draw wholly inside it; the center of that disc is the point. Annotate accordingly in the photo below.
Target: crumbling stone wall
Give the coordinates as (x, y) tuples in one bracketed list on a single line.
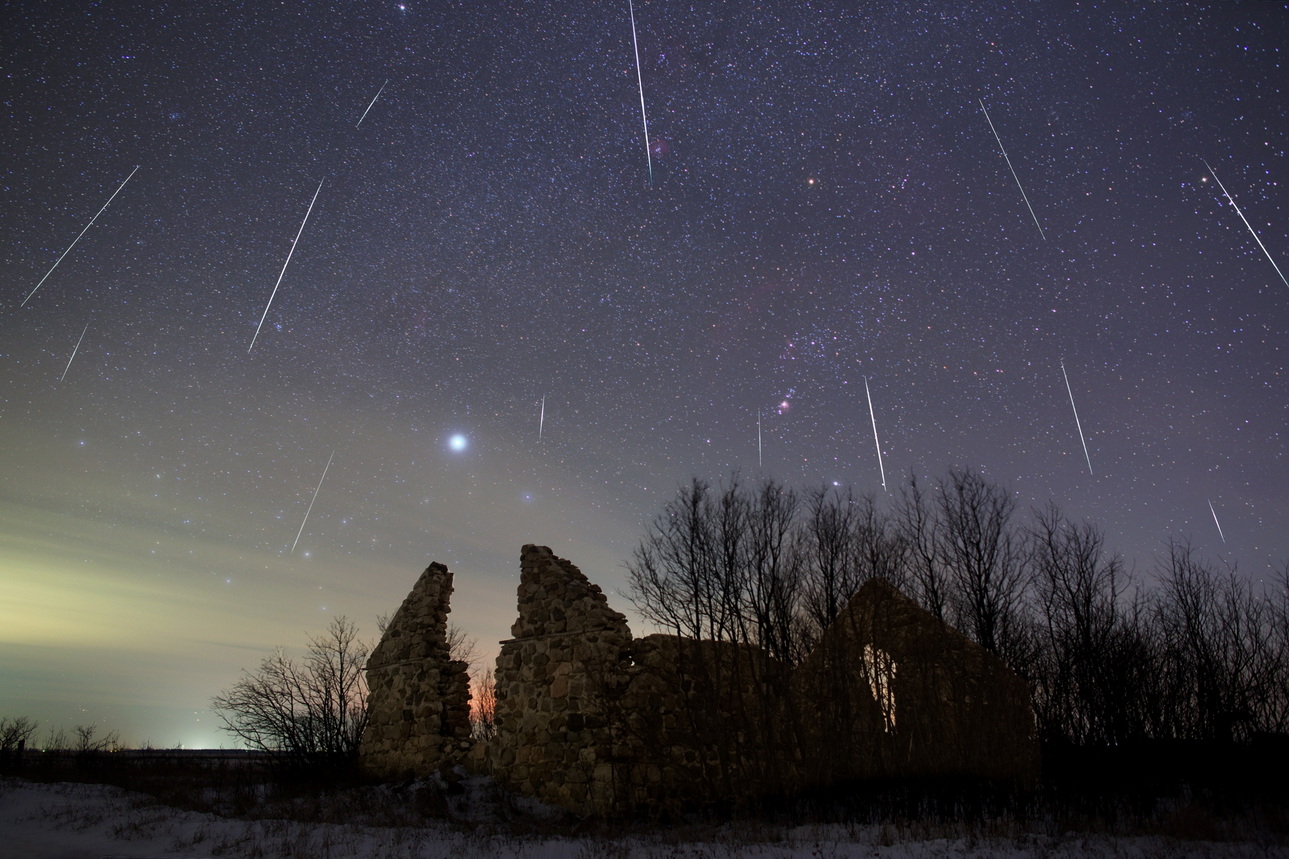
[(555, 680), (597, 722), (890, 691), (702, 722), (418, 701), (592, 720)]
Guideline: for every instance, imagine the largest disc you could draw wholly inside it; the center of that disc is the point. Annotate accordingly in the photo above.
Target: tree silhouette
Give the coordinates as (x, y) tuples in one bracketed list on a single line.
[(306, 715)]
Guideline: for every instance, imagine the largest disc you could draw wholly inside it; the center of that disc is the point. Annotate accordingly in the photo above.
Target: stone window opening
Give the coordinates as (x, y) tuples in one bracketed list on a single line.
[(879, 668)]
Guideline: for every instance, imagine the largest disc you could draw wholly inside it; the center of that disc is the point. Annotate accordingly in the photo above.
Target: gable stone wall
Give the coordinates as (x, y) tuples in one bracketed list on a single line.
[(554, 736), (418, 701)]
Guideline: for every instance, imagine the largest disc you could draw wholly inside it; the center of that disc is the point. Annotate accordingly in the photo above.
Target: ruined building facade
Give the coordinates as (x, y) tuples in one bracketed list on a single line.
[(555, 680), (598, 722), (418, 698)]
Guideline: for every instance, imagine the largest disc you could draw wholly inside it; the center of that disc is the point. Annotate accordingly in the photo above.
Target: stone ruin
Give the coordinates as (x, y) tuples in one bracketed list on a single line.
[(598, 722), (893, 692), (418, 698), (554, 682)]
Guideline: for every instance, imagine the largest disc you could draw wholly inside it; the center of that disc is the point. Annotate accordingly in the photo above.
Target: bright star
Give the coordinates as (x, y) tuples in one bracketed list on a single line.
[(458, 442)]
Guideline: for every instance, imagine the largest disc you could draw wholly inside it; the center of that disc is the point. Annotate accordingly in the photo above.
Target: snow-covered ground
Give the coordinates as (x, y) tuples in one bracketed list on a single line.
[(71, 821)]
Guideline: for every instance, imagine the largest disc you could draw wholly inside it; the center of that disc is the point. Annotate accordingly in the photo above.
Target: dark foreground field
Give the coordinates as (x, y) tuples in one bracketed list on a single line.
[(196, 804)]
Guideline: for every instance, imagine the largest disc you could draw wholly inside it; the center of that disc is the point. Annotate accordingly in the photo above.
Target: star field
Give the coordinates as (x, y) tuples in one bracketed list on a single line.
[(828, 205)]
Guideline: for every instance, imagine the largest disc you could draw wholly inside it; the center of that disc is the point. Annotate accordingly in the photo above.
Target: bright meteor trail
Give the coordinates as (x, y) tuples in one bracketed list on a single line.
[(1076, 417), (311, 503), (282, 273), (876, 443), (1013, 169), (78, 238), (1214, 512), (373, 102), (640, 80), (1250, 226), (74, 351)]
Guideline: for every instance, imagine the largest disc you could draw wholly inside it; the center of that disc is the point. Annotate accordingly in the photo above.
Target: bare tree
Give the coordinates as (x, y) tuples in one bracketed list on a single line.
[(774, 570), (57, 740), (307, 714), (718, 568), (723, 566), (670, 568), (483, 709), (979, 549), (918, 530), (1134, 666), (843, 542), (16, 732), (828, 545), (881, 550), (89, 741), (1078, 586), (1277, 718), (1225, 670), (461, 647)]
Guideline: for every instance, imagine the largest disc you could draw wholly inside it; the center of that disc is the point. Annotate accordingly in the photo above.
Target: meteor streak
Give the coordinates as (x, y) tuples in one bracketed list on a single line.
[(876, 443), (541, 421), (1214, 512), (635, 43), (282, 273), (1076, 417), (1250, 226), (759, 462), (74, 351), (373, 102), (315, 498), (78, 238), (1013, 169)]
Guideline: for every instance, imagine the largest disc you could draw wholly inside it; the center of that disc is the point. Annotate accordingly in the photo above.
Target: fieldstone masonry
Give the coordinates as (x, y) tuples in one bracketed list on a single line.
[(890, 691), (418, 700), (555, 680), (597, 722), (702, 722)]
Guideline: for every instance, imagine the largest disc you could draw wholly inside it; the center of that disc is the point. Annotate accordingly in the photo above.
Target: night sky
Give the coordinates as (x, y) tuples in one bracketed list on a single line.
[(828, 203)]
